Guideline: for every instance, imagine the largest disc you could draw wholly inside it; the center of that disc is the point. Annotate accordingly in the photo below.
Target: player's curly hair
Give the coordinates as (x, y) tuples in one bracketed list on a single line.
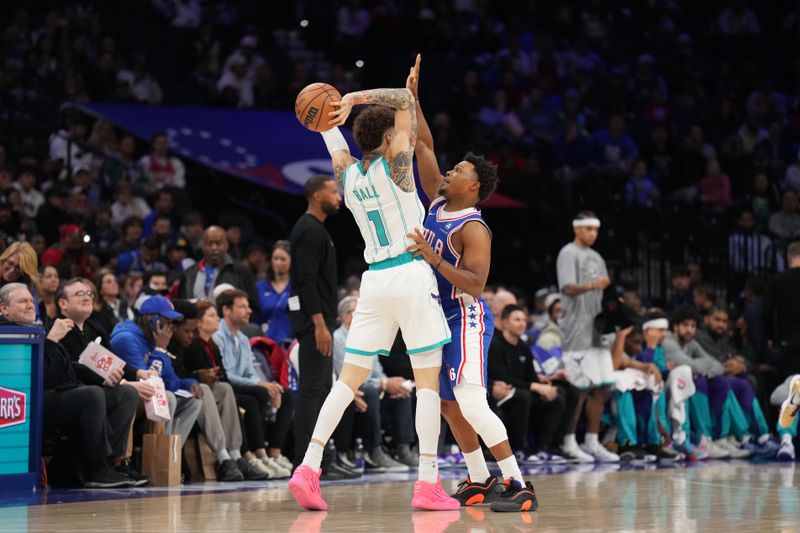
[(487, 174), (371, 125)]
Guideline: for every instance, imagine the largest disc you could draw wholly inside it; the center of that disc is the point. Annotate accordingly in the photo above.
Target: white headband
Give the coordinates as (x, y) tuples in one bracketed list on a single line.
[(656, 323), (586, 223)]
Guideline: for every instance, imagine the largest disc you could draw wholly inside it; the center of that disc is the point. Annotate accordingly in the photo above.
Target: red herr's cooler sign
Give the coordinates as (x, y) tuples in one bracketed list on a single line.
[(12, 407)]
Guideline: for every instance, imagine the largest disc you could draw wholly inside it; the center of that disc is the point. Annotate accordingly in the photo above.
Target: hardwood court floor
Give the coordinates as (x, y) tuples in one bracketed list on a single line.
[(720, 497)]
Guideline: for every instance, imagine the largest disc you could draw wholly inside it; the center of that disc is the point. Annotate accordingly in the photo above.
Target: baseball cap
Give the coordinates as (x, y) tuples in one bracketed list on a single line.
[(158, 305), (69, 229)]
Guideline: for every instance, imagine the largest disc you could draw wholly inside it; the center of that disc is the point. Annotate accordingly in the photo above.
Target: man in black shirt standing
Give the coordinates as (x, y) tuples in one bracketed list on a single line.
[(782, 315), (312, 305)]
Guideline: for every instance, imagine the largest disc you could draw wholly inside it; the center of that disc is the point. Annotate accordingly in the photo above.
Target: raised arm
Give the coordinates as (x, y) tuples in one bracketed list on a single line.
[(400, 153), (430, 177)]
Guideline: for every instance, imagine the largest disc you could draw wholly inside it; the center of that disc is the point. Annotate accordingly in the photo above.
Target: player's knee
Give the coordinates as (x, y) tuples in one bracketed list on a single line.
[(475, 409)]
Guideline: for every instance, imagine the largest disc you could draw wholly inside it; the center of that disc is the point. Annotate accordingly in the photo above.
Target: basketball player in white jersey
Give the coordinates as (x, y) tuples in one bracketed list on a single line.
[(457, 243), (396, 292)]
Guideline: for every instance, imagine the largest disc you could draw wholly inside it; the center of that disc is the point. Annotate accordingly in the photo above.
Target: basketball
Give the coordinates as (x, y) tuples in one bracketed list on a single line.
[(313, 104)]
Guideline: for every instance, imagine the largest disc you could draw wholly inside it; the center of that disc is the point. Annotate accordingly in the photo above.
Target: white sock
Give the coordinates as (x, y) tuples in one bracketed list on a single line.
[(313, 456), (510, 469), (428, 469), (786, 438), (569, 440), (235, 454), (223, 455), (428, 422), (329, 416), (476, 465), (679, 437), (591, 440), (763, 438)]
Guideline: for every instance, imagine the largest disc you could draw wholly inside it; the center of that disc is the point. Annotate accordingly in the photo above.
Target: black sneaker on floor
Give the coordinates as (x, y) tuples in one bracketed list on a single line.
[(138, 479), (107, 478), (334, 472), (516, 498), (662, 455), (630, 453), (250, 472), (228, 470), (470, 493)]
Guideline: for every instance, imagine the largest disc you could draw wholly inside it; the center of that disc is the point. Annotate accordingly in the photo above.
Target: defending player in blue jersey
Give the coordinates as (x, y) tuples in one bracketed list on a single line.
[(457, 243)]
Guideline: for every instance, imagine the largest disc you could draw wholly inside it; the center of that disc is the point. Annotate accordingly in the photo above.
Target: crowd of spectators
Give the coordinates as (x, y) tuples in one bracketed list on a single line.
[(637, 107)]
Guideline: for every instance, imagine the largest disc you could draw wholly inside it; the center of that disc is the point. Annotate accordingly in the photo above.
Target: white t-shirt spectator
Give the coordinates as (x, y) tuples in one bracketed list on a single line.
[(32, 200), (60, 150), (243, 86), (751, 138), (137, 207), (251, 65), (163, 171)]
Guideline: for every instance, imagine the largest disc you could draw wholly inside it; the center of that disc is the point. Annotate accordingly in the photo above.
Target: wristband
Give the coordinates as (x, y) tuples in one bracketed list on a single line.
[(162, 350), (334, 140)]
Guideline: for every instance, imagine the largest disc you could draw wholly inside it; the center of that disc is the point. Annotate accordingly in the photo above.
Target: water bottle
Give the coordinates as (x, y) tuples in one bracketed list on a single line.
[(358, 455)]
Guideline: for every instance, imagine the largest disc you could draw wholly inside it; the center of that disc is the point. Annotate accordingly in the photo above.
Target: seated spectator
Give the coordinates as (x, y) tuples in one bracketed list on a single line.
[(791, 179), (67, 149), (103, 236), (75, 300), (203, 359), (681, 287), (550, 335), (748, 251), (751, 133), (161, 169), (273, 293), (163, 205), (98, 418), (216, 267), (764, 199), (237, 359), (131, 240), (52, 215), (49, 282), (112, 308), (126, 205), (131, 288), (234, 79), (641, 191), (121, 168), (143, 345), (533, 403), (257, 260), (19, 264), (704, 298), (370, 401), (219, 418), (69, 255), (192, 231), (785, 224), (248, 52), (613, 150), (32, 199), (146, 259), (715, 188)]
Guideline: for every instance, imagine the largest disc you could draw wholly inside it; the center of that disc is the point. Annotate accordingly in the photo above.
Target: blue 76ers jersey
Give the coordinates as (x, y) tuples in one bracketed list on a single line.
[(439, 228)]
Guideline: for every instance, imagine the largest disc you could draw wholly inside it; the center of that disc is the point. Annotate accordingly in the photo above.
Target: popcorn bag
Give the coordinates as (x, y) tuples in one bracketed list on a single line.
[(100, 360), (157, 408)]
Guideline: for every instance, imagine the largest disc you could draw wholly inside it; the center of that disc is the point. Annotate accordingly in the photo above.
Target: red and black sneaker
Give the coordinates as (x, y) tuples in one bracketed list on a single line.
[(516, 498), (470, 493)]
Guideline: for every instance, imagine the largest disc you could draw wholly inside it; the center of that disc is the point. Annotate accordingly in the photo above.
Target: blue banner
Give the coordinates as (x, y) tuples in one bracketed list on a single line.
[(269, 148)]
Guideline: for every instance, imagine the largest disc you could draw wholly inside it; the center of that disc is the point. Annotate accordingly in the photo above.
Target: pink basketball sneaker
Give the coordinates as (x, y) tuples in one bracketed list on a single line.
[(304, 486), (432, 497)]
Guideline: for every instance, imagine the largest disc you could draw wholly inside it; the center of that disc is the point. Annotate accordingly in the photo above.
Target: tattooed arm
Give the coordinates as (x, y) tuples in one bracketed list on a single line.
[(400, 153)]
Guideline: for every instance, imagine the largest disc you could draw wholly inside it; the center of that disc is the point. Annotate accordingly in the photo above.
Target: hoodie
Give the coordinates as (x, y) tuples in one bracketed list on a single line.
[(128, 342)]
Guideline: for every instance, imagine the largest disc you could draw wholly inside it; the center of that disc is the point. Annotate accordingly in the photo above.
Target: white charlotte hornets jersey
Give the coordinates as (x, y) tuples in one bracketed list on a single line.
[(384, 213)]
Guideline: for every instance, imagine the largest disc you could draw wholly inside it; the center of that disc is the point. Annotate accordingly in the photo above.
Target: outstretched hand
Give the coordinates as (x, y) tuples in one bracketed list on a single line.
[(412, 82), (421, 247)]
